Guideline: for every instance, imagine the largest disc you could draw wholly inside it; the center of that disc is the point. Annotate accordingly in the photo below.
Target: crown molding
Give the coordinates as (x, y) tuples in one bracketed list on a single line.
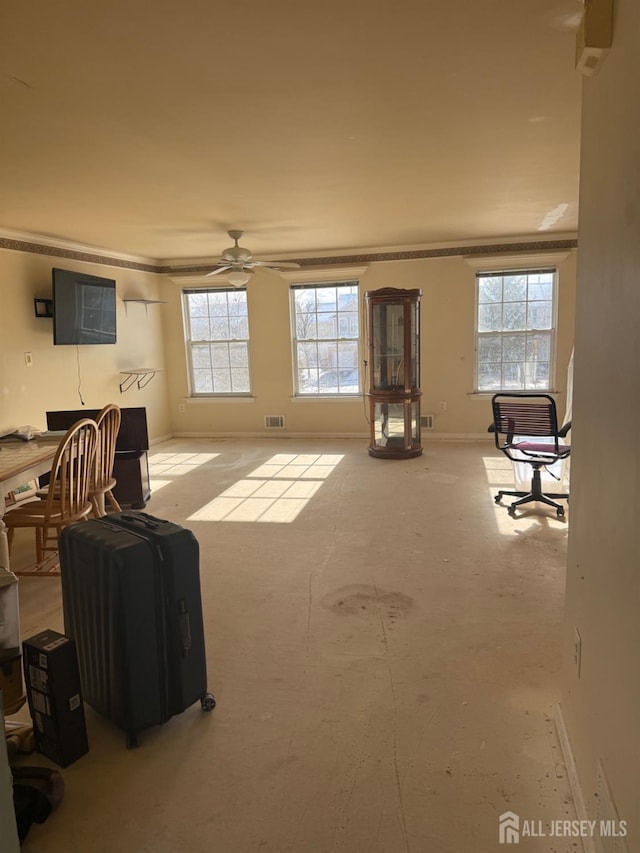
[(444, 248), (41, 244), (516, 249), (477, 252)]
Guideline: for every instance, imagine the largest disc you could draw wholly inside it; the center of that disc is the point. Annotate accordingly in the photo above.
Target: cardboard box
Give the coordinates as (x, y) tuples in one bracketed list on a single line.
[(55, 696)]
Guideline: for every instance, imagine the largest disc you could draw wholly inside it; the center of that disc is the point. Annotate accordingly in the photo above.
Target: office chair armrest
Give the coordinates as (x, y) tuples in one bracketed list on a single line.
[(565, 429), (491, 428)]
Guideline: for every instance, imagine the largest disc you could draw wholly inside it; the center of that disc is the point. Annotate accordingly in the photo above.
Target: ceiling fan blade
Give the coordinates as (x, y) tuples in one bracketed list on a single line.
[(285, 265), (219, 270)]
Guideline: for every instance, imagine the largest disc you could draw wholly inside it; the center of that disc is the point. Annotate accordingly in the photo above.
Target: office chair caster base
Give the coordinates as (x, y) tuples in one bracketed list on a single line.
[(502, 493), (537, 498), (536, 495)]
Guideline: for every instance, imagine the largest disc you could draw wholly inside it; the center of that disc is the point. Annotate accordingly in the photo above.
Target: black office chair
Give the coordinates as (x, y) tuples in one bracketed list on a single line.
[(517, 419)]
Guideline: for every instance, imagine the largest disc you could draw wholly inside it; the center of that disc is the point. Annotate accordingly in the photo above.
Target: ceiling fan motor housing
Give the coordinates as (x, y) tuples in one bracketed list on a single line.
[(236, 254)]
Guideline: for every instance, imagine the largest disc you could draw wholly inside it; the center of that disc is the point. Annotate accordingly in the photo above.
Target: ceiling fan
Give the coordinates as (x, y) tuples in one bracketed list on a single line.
[(240, 262)]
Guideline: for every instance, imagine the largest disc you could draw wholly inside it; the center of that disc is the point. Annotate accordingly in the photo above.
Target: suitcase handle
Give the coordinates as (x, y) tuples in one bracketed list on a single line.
[(108, 526), (185, 627), (145, 520)]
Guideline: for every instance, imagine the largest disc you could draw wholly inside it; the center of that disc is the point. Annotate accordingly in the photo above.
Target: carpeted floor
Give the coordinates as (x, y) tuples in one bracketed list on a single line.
[(383, 641)]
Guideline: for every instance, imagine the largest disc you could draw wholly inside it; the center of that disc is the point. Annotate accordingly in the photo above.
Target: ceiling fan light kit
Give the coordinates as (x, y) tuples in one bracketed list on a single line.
[(238, 278), (239, 262)]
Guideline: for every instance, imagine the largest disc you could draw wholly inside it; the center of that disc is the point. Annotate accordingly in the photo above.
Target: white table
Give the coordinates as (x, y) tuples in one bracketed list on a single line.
[(21, 461)]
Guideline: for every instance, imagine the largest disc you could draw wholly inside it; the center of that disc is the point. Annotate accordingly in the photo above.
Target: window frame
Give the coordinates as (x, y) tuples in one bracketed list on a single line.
[(204, 395), (533, 268), (318, 282)]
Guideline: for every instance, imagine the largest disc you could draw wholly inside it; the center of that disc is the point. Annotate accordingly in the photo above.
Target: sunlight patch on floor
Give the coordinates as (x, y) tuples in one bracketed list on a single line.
[(499, 471), (289, 466), (177, 464), (277, 491)]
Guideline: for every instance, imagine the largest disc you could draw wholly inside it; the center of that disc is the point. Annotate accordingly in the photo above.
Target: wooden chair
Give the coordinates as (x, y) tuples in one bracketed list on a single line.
[(108, 422), (73, 471)]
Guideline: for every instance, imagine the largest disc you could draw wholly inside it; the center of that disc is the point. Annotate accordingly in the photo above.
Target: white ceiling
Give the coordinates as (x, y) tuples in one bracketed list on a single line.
[(151, 128)]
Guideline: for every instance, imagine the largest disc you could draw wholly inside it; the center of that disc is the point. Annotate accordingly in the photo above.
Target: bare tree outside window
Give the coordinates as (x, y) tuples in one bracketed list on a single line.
[(515, 337), (218, 341), (326, 334)]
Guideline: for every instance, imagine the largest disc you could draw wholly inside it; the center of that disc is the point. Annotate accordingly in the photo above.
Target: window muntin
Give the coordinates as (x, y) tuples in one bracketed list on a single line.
[(515, 336), (217, 329), (326, 332)]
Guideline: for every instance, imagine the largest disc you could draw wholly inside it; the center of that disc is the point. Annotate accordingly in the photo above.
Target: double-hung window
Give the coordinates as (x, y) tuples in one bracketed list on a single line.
[(326, 331), (515, 330), (217, 332)]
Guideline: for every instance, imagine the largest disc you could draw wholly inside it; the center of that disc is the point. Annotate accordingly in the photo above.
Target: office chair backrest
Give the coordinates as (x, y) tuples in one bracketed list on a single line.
[(517, 414)]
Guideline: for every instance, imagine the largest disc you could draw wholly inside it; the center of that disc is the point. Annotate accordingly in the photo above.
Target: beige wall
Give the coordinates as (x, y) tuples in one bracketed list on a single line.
[(447, 358), (26, 393), (601, 704), (270, 365), (153, 337)]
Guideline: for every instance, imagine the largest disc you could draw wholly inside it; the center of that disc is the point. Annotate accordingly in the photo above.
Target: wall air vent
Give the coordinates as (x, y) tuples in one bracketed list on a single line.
[(426, 421), (274, 421)]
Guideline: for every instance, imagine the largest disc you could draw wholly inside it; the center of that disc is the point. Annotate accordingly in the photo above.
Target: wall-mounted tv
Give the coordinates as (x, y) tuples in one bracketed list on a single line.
[(84, 308)]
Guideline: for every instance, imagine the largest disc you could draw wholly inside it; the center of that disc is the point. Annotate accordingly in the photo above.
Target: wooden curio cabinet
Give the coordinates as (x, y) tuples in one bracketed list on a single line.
[(393, 329)]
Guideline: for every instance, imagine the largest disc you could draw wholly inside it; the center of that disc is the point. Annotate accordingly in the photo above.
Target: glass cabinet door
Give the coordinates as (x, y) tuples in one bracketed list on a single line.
[(388, 347)]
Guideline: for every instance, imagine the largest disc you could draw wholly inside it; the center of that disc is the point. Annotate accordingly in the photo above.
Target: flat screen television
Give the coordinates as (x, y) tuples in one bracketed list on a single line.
[(84, 308)]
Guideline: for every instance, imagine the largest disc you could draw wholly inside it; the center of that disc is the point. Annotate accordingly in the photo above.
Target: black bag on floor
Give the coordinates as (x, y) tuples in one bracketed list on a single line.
[(132, 603), (37, 791)]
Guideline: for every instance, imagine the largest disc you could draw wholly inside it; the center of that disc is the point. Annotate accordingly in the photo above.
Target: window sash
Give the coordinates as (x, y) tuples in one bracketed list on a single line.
[(516, 314), (217, 340), (326, 338)]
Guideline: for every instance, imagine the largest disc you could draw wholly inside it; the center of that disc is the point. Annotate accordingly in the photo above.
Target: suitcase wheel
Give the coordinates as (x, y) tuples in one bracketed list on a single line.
[(133, 740), (208, 702)]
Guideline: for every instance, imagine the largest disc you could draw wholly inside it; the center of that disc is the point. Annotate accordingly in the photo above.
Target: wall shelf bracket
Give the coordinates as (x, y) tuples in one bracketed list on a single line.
[(145, 302), (140, 376)]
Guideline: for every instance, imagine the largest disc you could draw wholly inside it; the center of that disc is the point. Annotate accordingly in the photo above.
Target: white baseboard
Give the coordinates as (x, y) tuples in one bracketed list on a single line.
[(431, 435), (160, 439), (277, 434), (588, 843), (427, 436)]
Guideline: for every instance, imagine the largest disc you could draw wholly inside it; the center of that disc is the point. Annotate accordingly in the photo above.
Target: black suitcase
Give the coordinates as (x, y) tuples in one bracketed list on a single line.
[(131, 601)]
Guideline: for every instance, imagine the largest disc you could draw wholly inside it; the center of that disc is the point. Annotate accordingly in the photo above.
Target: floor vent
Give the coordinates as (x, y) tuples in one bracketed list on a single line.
[(274, 421), (426, 421)]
